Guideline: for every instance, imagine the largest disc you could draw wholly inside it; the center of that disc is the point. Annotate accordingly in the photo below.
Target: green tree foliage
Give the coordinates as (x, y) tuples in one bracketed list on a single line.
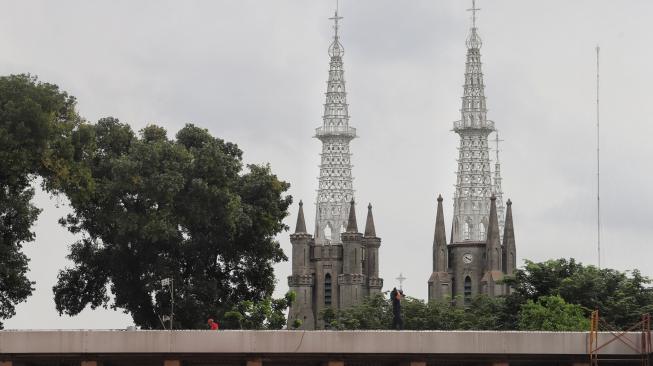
[(552, 295), (552, 313), (41, 135), (182, 209), (375, 312), (620, 297), (268, 314)]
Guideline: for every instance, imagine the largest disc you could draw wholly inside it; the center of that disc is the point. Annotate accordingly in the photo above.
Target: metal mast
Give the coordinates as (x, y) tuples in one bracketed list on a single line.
[(598, 165), (474, 178), (335, 189)]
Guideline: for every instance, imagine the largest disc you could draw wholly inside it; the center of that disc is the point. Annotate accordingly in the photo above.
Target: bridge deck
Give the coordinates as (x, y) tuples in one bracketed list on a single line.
[(311, 345)]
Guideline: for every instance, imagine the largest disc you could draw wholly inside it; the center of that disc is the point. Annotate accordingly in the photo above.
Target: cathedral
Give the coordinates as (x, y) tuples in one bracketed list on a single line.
[(337, 266), (482, 246)]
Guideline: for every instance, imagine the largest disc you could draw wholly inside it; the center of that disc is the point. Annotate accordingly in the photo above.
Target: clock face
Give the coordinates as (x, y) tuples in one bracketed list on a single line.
[(467, 258)]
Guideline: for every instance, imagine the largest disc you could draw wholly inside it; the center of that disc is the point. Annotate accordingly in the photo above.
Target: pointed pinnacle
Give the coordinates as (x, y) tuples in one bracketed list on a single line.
[(301, 224), (508, 229), (493, 224), (370, 231), (440, 238), (352, 227)]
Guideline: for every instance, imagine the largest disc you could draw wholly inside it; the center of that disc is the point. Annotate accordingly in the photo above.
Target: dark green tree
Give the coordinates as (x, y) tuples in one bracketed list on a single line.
[(182, 209), (41, 135), (620, 297)]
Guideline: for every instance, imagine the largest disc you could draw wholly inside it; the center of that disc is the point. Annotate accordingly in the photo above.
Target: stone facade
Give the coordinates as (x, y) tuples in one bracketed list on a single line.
[(332, 275), (482, 247), (469, 268), (338, 266)]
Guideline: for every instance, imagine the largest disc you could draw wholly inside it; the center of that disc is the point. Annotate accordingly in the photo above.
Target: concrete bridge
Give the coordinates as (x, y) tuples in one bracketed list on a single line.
[(331, 348)]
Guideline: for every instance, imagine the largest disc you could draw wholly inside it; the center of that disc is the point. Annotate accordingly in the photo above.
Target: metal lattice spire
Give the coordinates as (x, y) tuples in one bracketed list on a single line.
[(497, 190), (335, 189), (474, 178)]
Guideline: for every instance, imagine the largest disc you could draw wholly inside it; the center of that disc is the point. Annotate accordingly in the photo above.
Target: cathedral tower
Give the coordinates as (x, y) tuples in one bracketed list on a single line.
[(475, 260), (338, 266)]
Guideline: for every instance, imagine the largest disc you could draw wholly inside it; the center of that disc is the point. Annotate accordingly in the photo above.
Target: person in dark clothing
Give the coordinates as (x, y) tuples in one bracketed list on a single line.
[(395, 297)]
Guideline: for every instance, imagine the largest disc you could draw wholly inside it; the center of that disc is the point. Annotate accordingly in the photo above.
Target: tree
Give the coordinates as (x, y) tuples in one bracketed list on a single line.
[(180, 209), (620, 297), (41, 135), (375, 312), (266, 314), (552, 313)]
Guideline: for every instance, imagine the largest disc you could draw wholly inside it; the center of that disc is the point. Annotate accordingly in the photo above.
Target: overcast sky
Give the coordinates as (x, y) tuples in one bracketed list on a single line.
[(254, 73)]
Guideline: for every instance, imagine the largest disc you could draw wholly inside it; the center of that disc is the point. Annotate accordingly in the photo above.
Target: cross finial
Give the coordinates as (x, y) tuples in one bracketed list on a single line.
[(335, 19), (497, 140), (473, 9), (401, 280)]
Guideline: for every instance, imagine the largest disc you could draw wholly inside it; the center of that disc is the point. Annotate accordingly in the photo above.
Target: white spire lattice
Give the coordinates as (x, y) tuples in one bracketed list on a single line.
[(474, 177), (335, 189), (497, 190)]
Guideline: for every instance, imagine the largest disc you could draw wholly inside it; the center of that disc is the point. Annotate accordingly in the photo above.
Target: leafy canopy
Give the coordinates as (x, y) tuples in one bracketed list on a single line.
[(552, 313), (182, 209), (553, 295), (620, 297), (41, 135)]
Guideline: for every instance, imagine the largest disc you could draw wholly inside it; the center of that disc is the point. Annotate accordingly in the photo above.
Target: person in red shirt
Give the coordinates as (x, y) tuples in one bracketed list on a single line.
[(213, 324)]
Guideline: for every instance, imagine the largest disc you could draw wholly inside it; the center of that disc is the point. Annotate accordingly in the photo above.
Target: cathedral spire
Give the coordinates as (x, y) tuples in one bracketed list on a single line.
[(335, 183), (301, 224), (370, 231), (493, 245), (352, 227), (496, 187), (509, 242), (439, 241), (474, 177)]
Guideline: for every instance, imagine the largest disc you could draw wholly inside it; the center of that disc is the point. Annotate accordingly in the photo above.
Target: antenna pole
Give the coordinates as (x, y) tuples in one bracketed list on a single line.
[(598, 165)]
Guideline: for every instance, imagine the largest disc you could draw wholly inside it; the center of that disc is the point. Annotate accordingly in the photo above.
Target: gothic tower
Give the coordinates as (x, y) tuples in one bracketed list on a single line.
[(338, 266), (301, 281), (481, 250)]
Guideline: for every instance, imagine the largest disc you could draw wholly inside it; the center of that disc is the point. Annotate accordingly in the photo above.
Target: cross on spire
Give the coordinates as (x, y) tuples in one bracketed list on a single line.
[(335, 19), (497, 140), (473, 9)]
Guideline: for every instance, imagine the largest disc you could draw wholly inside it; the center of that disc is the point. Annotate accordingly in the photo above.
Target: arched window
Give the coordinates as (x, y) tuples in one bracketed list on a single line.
[(327, 232), (327, 289), (467, 228), (468, 291), (482, 228)]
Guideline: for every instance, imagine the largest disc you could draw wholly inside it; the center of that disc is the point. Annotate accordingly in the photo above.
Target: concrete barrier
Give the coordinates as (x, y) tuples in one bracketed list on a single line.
[(255, 346)]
